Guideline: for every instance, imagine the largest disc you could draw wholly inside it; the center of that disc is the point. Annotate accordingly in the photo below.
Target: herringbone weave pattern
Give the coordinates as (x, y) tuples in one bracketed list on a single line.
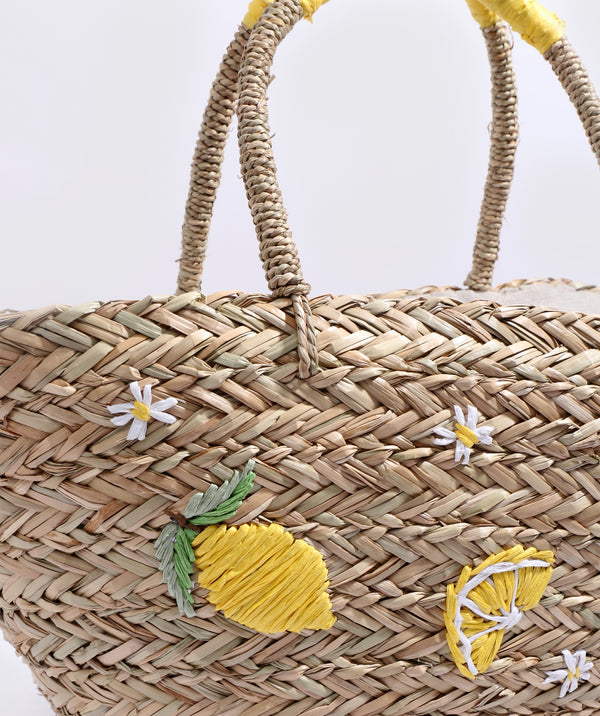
[(344, 459)]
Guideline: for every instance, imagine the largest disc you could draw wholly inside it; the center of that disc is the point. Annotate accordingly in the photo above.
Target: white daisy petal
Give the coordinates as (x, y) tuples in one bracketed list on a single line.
[(443, 441), (163, 417), (557, 675), (445, 433), (137, 428), (573, 685), (579, 657), (484, 435), (471, 417), (143, 428), (584, 675), (122, 419), (462, 452), (147, 395), (165, 404), (570, 660), (460, 418), (135, 391), (121, 408), (564, 688)]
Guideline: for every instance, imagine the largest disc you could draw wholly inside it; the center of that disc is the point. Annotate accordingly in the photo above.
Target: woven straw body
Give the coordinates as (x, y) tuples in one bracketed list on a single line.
[(415, 474), (345, 460)]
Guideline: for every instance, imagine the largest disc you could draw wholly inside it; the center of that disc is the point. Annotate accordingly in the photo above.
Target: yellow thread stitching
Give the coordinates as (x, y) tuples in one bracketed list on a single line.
[(263, 578), (498, 594), (140, 411), (257, 7), (466, 436), (536, 24), (482, 15)]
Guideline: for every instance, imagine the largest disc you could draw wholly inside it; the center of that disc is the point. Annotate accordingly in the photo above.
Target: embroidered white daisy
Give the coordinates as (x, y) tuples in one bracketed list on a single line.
[(141, 411), (577, 670), (465, 434)]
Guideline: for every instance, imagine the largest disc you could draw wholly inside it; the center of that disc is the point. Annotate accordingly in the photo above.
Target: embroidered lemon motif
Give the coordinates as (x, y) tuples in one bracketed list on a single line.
[(263, 578), (257, 575), (489, 599)]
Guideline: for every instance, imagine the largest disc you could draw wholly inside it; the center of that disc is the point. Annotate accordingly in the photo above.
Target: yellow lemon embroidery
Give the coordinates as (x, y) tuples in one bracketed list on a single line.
[(263, 578), (489, 599), (257, 575)]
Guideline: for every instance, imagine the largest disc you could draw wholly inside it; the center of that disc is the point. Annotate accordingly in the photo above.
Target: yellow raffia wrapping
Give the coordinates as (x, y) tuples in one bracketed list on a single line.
[(466, 436), (494, 596), (536, 24), (140, 411), (263, 578), (256, 9), (482, 15)]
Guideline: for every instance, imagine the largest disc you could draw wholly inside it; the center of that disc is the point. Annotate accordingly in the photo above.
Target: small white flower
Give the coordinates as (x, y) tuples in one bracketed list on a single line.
[(141, 410), (465, 434), (577, 670)]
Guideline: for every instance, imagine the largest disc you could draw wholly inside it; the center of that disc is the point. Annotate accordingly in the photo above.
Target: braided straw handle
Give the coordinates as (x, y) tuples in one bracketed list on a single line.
[(537, 25), (207, 161), (209, 151), (504, 136), (546, 32), (280, 259), (206, 164)]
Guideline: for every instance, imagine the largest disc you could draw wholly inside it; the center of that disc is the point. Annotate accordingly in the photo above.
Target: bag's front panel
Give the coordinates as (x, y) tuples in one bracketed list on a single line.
[(367, 461)]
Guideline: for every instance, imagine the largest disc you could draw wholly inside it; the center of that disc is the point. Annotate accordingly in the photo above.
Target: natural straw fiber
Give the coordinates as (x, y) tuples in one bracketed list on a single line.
[(434, 462), (504, 134), (209, 151), (574, 78), (345, 460), (206, 165)]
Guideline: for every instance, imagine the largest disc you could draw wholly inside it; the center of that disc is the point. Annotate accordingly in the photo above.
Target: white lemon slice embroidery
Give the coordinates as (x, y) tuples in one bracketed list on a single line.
[(489, 599)]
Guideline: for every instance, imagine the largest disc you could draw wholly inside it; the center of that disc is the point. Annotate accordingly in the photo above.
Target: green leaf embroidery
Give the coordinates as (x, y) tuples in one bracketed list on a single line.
[(218, 504), (173, 551), (173, 546)]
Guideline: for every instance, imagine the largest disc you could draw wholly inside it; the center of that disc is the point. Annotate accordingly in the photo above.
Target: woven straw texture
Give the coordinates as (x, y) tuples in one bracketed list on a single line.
[(344, 459), (339, 403)]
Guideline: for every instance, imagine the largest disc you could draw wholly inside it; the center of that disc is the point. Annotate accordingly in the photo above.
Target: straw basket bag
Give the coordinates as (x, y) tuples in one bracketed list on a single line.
[(255, 505)]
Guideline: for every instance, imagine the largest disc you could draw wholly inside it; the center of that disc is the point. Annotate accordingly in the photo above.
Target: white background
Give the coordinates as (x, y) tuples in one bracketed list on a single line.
[(380, 120)]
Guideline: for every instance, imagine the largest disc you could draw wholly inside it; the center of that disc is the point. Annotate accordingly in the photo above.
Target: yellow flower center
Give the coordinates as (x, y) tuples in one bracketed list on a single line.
[(466, 436), (575, 675), (140, 411)]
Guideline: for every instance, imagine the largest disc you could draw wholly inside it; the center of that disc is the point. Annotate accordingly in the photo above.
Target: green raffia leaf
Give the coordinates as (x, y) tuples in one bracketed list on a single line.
[(174, 551), (221, 503), (173, 546)]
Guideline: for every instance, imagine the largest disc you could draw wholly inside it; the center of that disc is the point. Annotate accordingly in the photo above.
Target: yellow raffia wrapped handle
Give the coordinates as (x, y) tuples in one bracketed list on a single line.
[(482, 15), (536, 24), (257, 7)]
